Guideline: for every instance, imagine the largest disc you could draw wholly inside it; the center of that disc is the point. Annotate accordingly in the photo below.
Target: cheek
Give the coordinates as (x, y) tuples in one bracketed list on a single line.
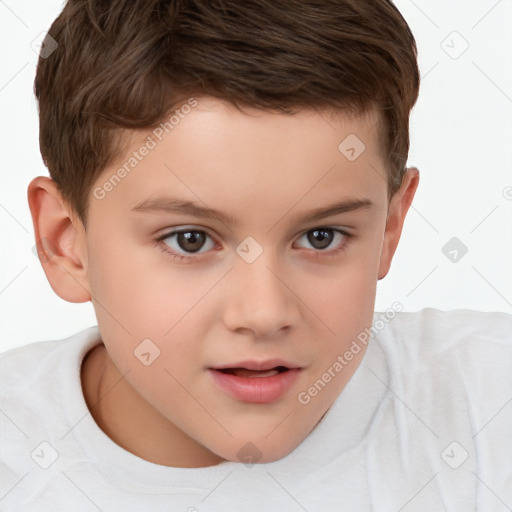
[(138, 295), (140, 286), (345, 304), (345, 296)]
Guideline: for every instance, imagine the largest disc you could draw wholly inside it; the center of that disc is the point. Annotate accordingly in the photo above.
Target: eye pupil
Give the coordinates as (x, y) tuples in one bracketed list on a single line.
[(322, 236), (191, 241)]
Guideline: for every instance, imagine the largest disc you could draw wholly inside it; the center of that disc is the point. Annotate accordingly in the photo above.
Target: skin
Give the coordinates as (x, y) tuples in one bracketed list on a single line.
[(293, 302)]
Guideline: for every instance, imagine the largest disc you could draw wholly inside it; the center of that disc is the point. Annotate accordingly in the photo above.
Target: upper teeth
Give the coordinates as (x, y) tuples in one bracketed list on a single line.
[(269, 373)]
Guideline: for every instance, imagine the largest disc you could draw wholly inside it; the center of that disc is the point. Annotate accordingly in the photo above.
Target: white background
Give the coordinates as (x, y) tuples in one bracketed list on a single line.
[(461, 141)]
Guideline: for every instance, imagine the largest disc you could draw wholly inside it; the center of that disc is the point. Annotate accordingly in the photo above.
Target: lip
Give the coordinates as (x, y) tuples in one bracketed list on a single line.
[(267, 364), (256, 390)]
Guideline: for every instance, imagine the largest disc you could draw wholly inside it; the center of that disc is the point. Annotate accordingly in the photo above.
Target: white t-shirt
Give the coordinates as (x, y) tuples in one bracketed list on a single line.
[(425, 424)]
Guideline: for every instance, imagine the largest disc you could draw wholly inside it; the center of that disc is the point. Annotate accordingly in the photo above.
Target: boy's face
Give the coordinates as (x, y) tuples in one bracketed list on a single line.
[(270, 283)]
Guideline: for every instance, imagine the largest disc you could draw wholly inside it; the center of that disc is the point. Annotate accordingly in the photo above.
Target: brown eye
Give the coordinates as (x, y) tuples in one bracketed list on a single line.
[(190, 241), (320, 238), (186, 241)]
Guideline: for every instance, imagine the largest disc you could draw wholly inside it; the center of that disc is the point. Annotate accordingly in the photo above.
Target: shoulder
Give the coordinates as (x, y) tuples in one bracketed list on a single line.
[(20, 364), (35, 379), (434, 333), (22, 367), (455, 361), (460, 354), (447, 379)]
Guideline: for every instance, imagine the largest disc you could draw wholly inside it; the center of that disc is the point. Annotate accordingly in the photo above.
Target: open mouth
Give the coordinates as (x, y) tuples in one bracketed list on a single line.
[(250, 374), (255, 386), (256, 381)]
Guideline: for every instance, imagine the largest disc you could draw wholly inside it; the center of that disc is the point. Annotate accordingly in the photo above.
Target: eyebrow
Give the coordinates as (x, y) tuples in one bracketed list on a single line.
[(162, 204)]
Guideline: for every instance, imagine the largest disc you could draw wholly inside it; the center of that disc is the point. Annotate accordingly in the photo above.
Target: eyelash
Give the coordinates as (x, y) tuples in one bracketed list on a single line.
[(159, 242)]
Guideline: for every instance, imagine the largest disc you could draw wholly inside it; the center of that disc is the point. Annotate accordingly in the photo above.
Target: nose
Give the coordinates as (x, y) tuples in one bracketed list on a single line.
[(260, 300)]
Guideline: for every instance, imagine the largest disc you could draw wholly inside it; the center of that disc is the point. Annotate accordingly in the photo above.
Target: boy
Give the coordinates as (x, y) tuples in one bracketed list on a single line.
[(250, 372)]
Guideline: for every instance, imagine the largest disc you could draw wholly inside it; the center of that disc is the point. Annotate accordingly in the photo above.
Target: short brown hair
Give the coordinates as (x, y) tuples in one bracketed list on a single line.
[(124, 64)]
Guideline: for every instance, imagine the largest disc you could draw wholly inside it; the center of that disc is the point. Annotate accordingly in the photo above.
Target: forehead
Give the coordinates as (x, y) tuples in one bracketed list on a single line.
[(251, 160)]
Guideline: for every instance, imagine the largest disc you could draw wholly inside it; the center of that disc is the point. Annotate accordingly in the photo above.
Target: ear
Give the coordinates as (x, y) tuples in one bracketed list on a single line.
[(399, 205), (60, 241)]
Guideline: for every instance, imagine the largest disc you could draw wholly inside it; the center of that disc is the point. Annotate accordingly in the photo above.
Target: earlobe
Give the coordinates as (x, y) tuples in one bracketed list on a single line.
[(60, 241), (398, 209)]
